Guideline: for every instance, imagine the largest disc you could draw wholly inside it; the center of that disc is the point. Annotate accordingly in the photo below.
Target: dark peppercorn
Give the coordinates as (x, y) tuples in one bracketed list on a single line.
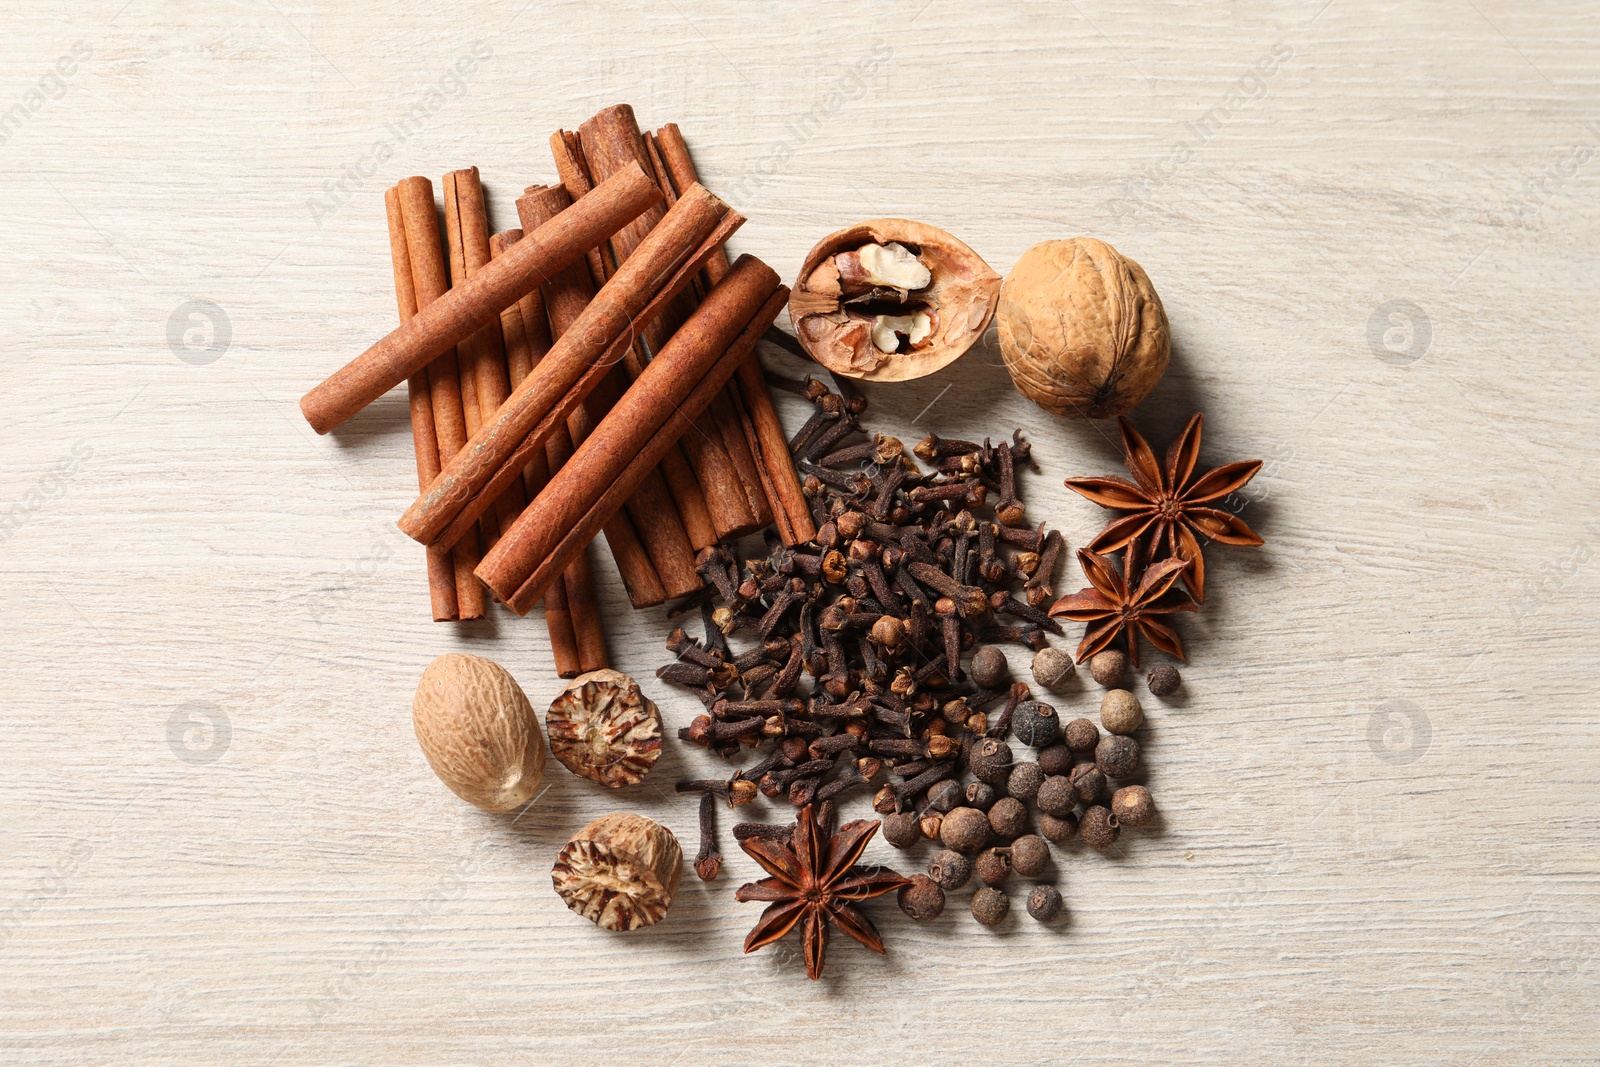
[(1132, 805), (1025, 780), (1058, 829), (1030, 855), (1036, 724), (942, 796), (1107, 667), (993, 865), (1056, 796), (1164, 680), (965, 830), (989, 667), (991, 761), (1089, 782), (1099, 827), (1082, 735), (981, 795), (989, 906), (1008, 817), (1057, 759), (923, 900), (1044, 903), (1117, 756), (950, 869), (901, 829)]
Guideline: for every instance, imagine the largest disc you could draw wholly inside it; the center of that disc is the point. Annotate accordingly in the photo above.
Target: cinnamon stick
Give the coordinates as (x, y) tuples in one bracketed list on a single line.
[(449, 321), (624, 447), (431, 282), (425, 440), (660, 269), (651, 509)]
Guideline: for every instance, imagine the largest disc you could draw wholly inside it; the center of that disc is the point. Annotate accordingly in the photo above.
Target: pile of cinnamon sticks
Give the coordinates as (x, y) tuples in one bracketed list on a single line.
[(593, 371)]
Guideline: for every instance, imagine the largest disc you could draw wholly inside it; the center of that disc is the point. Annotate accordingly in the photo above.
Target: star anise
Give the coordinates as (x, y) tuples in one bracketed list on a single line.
[(1111, 608), (815, 882), (1164, 504)]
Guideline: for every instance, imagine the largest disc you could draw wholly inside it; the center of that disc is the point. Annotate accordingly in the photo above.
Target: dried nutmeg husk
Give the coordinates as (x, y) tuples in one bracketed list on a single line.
[(1082, 330), (891, 300)]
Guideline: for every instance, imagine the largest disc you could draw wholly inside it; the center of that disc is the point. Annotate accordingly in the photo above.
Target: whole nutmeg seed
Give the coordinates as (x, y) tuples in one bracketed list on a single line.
[(1008, 817), (981, 795), (1099, 827), (1030, 855), (993, 866), (602, 727), (620, 872), (1117, 756), (1056, 796), (991, 761), (943, 796), (950, 869), (1044, 903), (922, 899), (1036, 724), (1056, 759), (1108, 667), (478, 732), (1163, 680), (989, 667), (1082, 735), (1089, 781), (990, 906), (1025, 780), (1052, 667), (901, 829), (1058, 829), (1120, 711), (1082, 330), (890, 300), (1132, 805), (965, 830)]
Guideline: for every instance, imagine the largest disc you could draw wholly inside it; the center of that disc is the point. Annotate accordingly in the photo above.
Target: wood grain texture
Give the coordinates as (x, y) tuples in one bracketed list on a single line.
[(1378, 793)]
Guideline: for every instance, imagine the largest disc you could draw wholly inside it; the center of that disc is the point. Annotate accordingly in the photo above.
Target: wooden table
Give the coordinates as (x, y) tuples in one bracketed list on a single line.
[(1374, 232)]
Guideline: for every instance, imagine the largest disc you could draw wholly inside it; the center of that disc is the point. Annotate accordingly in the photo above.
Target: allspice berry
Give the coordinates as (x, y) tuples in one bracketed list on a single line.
[(965, 830), (990, 906), (1044, 903), (981, 795), (1108, 667), (1057, 759), (991, 761), (1164, 680), (1117, 756), (950, 869), (1132, 805), (1120, 711), (1056, 796), (993, 866), (1025, 780), (1058, 829), (1052, 667), (1082, 735), (923, 900), (1008, 817), (1030, 855), (989, 667), (943, 796), (901, 829), (1089, 782), (1099, 827), (930, 824), (1036, 724)]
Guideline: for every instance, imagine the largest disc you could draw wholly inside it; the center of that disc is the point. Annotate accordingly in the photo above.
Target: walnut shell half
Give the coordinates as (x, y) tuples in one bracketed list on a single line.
[(891, 300), (620, 872), (603, 727), (1082, 330)]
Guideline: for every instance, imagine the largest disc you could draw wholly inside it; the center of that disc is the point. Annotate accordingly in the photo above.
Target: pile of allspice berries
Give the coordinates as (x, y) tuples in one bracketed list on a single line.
[(1080, 782)]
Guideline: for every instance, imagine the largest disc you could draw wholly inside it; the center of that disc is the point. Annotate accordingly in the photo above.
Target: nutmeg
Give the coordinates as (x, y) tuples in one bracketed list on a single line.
[(1082, 330), (602, 727), (890, 300), (479, 732), (620, 872)]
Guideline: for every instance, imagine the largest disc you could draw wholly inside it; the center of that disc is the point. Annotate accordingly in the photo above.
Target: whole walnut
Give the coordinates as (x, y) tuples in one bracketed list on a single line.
[(1082, 330)]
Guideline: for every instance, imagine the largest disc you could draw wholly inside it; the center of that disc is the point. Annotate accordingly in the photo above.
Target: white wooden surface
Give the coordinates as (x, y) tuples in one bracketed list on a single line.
[(1379, 841)]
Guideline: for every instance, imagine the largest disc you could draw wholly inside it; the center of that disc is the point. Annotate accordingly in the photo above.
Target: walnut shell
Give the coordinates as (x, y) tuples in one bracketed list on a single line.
[(479, 732), (835, 326), (1082, 330), (620, 872), (602, 727)]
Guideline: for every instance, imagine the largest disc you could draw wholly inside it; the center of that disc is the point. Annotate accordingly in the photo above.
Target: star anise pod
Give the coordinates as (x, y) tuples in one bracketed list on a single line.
[(1165, 516), (1110, 607), (814, 883)]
